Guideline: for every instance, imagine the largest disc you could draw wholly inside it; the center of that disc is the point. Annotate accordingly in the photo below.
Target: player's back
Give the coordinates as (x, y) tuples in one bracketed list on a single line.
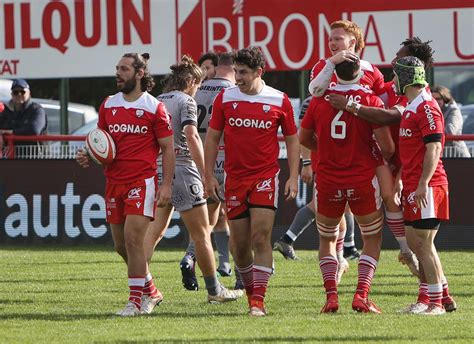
[(182, 109), (204, 97), (345, 142)]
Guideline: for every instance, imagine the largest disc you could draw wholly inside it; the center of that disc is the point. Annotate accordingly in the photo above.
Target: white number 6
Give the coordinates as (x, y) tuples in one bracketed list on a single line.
[(341, 133)]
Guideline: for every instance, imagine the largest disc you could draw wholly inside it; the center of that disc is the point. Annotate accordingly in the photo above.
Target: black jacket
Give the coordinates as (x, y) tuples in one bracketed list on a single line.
[(30, 120)]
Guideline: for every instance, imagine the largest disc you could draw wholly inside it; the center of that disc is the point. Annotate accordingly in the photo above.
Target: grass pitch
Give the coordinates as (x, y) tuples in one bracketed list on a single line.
[(70, 294)]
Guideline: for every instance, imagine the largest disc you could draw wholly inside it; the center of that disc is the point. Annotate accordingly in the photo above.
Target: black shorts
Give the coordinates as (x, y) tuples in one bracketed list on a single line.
[(432, 223)]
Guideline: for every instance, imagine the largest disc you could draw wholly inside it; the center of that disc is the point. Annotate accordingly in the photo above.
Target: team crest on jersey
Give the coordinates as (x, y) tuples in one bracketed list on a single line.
[(266, 108), (139, 113), (234, 105), (114, 111)]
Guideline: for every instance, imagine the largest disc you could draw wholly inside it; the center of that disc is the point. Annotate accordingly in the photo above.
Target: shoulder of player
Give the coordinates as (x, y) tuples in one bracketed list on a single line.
[(366, 66), (423, 101), (146, 102), (349, 88)]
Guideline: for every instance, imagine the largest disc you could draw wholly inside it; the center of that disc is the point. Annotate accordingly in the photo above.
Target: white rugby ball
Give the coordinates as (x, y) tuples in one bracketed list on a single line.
[(100, 146)]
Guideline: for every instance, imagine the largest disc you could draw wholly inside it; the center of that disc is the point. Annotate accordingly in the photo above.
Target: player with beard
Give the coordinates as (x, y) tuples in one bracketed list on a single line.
[(249, 116), (140, 127)]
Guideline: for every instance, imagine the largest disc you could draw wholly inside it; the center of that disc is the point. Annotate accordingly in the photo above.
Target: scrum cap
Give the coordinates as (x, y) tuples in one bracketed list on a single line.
[(410, 71)]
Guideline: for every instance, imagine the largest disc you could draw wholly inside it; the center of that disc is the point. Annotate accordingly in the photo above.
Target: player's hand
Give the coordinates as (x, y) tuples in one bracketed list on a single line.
[(343, 55), (164, 196), (82, 158), (291, 189), (397, 192), (212, 188), (421, 195), (338, 101), (307, 174)]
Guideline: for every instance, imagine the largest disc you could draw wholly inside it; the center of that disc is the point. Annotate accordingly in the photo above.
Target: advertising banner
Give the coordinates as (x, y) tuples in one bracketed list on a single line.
[(59, 202), (70, 38)]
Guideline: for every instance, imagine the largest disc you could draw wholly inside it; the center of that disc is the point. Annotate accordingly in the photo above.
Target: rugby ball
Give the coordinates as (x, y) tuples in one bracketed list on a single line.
[(100, 146)]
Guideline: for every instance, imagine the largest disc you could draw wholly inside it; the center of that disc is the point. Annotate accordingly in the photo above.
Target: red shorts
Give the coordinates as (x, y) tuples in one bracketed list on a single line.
[(240, 195), (136, 198), (438, 204), (362, 200)]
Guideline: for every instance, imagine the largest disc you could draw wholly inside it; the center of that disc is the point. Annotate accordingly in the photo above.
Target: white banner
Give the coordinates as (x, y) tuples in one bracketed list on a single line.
[(43, 39)]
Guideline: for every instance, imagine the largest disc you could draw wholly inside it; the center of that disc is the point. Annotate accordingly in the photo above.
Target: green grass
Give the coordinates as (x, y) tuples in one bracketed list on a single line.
[(70, 295)]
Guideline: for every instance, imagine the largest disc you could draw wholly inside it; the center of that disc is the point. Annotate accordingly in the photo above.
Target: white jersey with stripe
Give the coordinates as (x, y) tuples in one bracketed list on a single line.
[(205, 96), (183, 111)]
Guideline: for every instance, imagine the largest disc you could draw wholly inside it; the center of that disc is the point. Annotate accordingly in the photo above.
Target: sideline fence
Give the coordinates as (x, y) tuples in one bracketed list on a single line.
[(66, 146)]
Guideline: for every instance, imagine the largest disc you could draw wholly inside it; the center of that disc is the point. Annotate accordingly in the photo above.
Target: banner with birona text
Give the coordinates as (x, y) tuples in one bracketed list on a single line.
[(69, 38)]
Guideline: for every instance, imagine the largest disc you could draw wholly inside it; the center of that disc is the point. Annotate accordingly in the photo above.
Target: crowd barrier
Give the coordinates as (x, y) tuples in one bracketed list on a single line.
[(45, 202)]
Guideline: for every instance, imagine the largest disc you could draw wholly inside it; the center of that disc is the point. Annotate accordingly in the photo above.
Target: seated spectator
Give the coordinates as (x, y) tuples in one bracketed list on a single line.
[(21, 115), (453, 120)]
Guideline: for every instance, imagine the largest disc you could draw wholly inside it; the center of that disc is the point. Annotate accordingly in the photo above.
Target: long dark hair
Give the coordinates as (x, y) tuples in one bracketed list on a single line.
[(141, 62)]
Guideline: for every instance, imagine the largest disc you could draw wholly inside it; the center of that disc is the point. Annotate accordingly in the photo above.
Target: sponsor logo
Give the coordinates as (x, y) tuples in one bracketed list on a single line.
[(128, 128), (249, 123), (266, 108), (234, 105), (411, 198), (265, 185), (233, 198), (138, 205), (139, 113), (114, 111), (405, 132), (134, 193), (430, 117), (270, 195)]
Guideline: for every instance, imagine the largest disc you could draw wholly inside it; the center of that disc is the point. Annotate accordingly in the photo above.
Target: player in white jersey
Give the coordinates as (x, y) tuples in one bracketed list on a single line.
[(204, 97), (187, 195)]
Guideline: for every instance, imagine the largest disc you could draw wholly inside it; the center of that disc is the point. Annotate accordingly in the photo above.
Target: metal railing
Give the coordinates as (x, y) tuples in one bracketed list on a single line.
[(50, 147), (53, 149)]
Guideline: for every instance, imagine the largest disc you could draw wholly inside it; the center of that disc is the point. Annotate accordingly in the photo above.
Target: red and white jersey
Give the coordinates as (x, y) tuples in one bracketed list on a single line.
[(422, 117), (345, 156), (371, 80), (250, 124), (135, 128)]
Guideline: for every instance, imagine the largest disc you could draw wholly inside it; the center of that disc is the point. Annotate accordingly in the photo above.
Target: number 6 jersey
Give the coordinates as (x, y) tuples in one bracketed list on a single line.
[(345, 156)]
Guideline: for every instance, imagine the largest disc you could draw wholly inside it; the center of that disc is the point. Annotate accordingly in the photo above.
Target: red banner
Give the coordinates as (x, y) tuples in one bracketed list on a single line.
[(293, 34)]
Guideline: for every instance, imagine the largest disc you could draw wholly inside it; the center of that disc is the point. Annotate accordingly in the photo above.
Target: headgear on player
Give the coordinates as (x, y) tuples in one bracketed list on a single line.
[(409, 71)]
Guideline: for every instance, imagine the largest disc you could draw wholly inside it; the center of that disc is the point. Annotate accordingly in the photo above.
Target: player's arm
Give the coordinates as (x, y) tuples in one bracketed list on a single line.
[(306, 169), (430, 162), (195, 146), (211, 148), (168, 158), (323, 71), (293, 154), (371, 114), (308, 139), (385, 142)]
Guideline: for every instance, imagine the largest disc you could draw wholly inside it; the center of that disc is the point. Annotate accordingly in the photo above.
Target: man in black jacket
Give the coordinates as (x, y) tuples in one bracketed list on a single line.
[(21, 115)]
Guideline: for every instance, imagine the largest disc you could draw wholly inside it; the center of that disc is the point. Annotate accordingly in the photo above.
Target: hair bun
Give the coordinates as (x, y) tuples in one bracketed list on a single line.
[(146, 56)]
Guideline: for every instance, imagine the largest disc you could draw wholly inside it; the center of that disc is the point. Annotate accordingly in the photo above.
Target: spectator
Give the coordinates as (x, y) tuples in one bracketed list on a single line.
[(452, 119), (21, 115)]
